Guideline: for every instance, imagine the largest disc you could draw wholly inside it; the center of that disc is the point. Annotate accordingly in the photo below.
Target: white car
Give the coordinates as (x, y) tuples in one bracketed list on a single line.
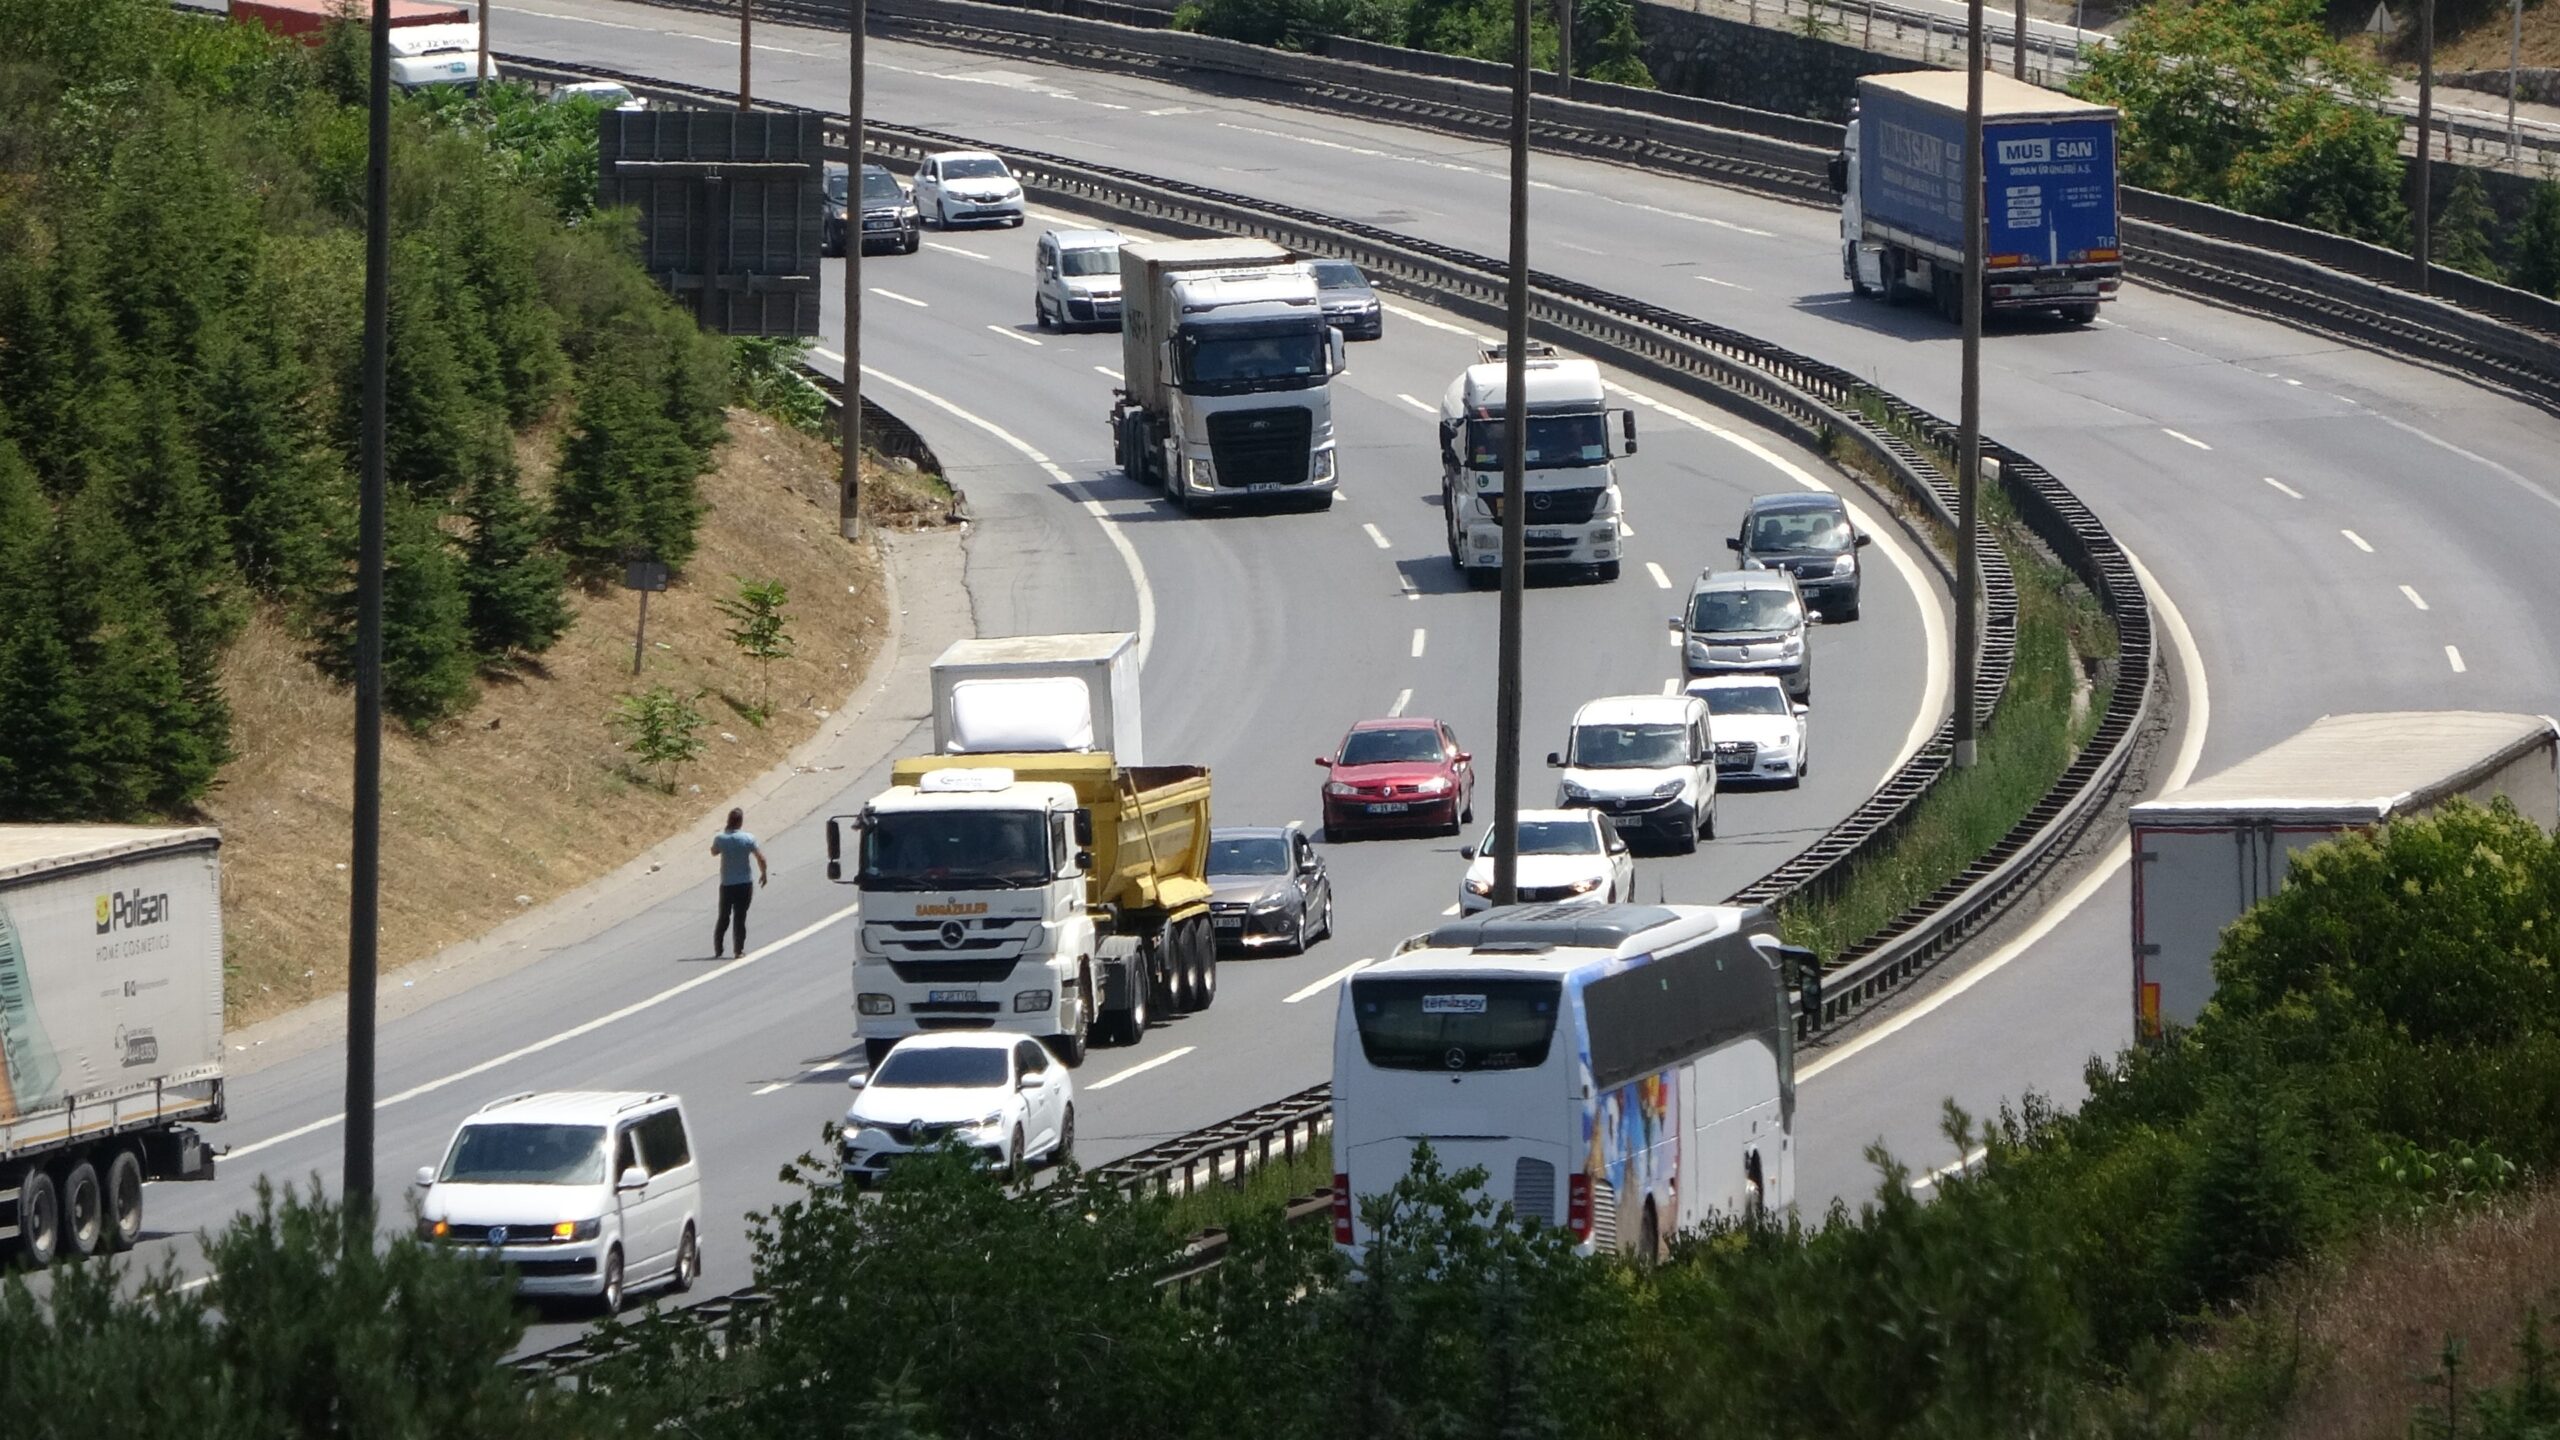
[(967, 185), (1567, 857), (1648, 763), (1004, 1096), (1760, 733), (582, 1193), (612, 95)]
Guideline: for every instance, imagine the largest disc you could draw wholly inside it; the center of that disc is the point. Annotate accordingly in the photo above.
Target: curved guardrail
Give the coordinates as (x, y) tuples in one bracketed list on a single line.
[(1804, 398)]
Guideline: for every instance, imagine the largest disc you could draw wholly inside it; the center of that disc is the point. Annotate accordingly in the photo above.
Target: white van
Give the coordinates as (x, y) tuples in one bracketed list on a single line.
[(1075, 279), (582, 1193), (1648, 762)]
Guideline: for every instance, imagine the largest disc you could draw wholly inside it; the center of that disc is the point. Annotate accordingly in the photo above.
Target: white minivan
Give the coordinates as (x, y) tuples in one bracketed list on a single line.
[(581, 1192), (1648, 762)]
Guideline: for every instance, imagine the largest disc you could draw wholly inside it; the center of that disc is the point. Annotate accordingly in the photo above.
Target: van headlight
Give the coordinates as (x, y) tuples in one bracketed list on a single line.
[(433, 1229), (1572, 791), (1479, 887), (573, 1230), (1793, 647), (1668, 788)]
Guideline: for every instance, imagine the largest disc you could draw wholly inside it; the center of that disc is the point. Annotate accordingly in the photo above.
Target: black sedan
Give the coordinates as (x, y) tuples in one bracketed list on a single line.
[(1267, 887)]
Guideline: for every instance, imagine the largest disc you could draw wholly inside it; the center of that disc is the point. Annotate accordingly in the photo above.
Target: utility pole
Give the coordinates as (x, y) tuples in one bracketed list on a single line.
[(2515, 58), (849, 489), (484, 44), (746, 54), (1564, 49), (2425, 216), (1969, 445), (2018, 68), (1515, 444), (364, 869)]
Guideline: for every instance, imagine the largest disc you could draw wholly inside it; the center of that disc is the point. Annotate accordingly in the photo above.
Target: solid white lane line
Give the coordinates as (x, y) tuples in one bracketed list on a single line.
[(1403, 698), (1452, 910), (2414, 597), (1436, 323), (2280, 485), (2185, 438), (901, 299), (1328, 982), (2453, 657), (1010, 333), (1417, 642), (1965, 1162), (955, 250), (1729, 285), (2357, 541), (1416, 404), (1093, 506), (1376, 536), (549, 1042), (1142, 1067), (1107, 370), (1659, 579)]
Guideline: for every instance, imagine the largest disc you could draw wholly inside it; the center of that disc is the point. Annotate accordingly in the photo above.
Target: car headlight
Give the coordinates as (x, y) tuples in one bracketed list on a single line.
[(1436, 785), (433, 1229), (989, 1121), (1573, 791), (1668, 788), (1583, 887), (578, 1229), (1479, 887), (1341, 787), (1031, 1002), (1845, 565), (1201, 472), (1793, 647), (869, 1003), (1323, 465), (1697, 650)]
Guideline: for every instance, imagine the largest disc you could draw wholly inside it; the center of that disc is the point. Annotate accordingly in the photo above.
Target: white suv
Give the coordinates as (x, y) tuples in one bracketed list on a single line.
[(581, 1192), (1648, 762)]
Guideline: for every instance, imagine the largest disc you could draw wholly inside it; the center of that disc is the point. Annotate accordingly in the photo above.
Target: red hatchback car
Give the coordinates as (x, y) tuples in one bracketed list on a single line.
[(1401, 774)]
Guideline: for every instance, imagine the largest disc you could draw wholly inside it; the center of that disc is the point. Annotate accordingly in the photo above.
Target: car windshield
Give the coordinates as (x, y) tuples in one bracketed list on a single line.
[(879, 187), (1339, 275), (1251, 855), (1388, 747), (950, 849), (1613, 747), (1745, 700), (975, 167), (1089, 260), (1550, 837), (500, 1153), (1222, 362), (1823, 532), (971, 1069), (1725, 610), (1554, 440)]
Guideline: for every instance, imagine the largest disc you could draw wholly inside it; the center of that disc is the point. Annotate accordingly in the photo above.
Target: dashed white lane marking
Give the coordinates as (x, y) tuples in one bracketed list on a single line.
[(1436, 323), (1727, 284), (1416, 404), (956, 250), (1671, 686), (1674, 637), (2453, 657), (1418, 638), (1577, 249), (1142, 1067), (1309, 992), (1965, 1162), (2289, 380), (2281, 486), (2414, 597), (1107, 370), (1452, 910), (901, 299), (828, 1068), (1376, 535), (1659, 579), (1403, 698), (1626, 531), (198, 1283), (2357, 541), (2184, 438), (1010, 333)]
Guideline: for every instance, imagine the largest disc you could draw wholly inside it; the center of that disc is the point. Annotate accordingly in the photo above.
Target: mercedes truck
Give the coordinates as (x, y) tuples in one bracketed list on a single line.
[(1569, 478)]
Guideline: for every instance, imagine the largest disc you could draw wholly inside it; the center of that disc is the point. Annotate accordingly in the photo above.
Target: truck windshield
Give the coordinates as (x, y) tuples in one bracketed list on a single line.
[(1460, 1023), (1234, 362), (1618, 747), (1554, 441), (946, 849), (499, 1154)]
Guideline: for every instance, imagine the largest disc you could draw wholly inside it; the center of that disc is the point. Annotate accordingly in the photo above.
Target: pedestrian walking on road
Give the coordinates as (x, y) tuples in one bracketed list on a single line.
[(735, 847)]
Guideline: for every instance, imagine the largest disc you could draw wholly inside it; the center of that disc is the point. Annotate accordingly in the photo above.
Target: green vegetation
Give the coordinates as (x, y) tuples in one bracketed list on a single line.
[(660, 729), (1605, 44), (764, 376), (181, 272), (1266, 1190), (761, 631)]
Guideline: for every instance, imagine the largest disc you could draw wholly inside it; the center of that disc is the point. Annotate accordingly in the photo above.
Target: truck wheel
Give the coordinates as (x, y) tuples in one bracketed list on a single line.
[(1070, 1047), (1608, 571), (875, 1051), (1128, 1027), (1483, 577), (123, 1188), (1177, 993), (2080, 314), (1204, 950), (39, 1218), (84, 1218)]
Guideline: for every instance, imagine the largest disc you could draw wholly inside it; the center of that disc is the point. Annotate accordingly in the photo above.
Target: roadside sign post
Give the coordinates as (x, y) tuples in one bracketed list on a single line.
[(643, 576)]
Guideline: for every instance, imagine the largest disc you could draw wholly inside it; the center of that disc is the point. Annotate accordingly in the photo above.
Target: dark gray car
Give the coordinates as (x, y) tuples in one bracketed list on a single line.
[(1267, 887), (1808, 535), (889, 219), (1350, 306)]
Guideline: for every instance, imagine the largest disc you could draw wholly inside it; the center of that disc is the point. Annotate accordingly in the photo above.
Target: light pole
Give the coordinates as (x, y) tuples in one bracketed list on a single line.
[(746, 54), (364, 877), (2423, 230), (1969, 445), (1515, 441), (2515, 58), (484, 44), (2018, 67), (849, 489), (1564, 49)]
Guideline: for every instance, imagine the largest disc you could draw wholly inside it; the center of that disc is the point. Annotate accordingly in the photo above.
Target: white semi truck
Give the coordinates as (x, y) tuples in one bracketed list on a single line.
[(2205, 853), (1568, 478), (110, 1028), (1029, 876), (1227, 371)]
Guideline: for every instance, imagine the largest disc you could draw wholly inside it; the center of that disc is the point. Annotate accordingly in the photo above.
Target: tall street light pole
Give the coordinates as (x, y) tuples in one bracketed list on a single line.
[(484, 44), (1969, 445), (2515, 58), (2018, 67), (364, 877), (2425, 217), (746, 54), (849, 488), (1515, 442), (1564, 48)]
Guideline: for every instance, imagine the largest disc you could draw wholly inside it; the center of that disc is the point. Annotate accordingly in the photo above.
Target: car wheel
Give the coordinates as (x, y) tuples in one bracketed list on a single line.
[(1708, 831), (39, 1218), (609, 1298), (915, 238), (1013, 1166), (123, 1191), (1039, 313), (1687, 844), (1299, 946), (1065, 1153), (688, 1264), (84, 1212), (1328, 912)]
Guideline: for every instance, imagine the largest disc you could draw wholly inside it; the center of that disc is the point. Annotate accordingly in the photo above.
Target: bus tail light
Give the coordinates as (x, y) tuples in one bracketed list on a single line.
[(1577, 1205), (1341, 1208)]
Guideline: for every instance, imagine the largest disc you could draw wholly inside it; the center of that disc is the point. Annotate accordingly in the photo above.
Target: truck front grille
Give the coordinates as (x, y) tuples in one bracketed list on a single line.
[(1556, 507), (952, 972), (1260, 447)]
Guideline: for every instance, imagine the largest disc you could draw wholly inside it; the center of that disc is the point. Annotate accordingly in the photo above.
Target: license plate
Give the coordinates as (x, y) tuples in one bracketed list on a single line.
[(1228, 922), (1391, 807), (2053, 287), (879, 224), (949, 997)]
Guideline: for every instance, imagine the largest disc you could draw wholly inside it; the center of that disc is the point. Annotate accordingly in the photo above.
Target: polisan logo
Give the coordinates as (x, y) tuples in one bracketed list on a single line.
[(118, 910)]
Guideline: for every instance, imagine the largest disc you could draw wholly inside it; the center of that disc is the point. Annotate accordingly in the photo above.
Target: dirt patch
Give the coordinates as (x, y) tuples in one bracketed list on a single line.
[(528, 795)]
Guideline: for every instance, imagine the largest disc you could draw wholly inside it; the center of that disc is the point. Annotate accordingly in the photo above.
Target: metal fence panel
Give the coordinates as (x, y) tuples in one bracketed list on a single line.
[(730, 211)]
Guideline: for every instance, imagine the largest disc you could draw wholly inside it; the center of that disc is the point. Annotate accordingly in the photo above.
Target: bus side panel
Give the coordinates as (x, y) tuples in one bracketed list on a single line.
[(1631, 1144), (1733, 1094)]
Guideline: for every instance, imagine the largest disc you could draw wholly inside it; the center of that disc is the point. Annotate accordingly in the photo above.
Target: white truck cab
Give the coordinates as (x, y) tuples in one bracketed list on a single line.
[(1568, 479)]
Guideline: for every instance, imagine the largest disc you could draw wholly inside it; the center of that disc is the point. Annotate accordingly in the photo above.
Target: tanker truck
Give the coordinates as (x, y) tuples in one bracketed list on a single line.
[(1030, 875)]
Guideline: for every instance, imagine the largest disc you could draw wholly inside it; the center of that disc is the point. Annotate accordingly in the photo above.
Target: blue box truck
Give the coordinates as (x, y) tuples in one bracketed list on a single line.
[(2049, 195)]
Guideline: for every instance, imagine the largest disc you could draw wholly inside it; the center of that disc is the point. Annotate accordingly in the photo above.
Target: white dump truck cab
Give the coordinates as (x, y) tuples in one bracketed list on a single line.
[(1569, 476)]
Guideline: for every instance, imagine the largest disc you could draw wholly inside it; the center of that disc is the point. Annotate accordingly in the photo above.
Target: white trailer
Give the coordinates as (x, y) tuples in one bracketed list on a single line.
[(2204, 854), (110, 1027), (1039, 692)]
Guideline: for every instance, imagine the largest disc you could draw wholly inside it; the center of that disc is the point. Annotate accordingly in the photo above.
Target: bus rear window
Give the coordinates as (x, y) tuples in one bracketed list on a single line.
[(1455, 1024)]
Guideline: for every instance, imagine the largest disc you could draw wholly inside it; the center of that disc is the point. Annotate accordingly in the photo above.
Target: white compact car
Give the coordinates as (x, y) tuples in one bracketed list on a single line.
[(1648, 763), (1567, 857), (967, 187), (1004, 1096), (1760, 734), (582, 1193)]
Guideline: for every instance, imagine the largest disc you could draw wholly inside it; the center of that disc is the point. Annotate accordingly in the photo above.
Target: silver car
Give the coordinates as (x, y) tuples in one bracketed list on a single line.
[(1748, 622), (1267, 886)]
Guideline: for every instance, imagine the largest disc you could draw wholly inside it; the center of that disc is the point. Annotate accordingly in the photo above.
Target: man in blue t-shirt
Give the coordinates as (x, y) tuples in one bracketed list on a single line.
[(735, 847)]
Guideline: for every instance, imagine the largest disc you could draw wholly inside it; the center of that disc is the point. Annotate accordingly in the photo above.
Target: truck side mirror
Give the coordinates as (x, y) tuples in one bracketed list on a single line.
[(1449, 442), (1084, 860), (1333, 349), (1084, 826), (1555, 760), (835, 846), (1627, 424), (1839, 172)]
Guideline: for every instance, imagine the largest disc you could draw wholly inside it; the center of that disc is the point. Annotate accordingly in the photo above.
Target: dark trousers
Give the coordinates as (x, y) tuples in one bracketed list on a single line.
[(734, 900)]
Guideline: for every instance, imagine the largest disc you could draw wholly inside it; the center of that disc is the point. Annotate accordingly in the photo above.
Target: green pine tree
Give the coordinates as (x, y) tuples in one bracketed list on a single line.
[(428, 665), (126, 677), (511, 579), (625, 486), (178, 538), (39, 711), (281, 492), (2538, 242), (2464, 225)]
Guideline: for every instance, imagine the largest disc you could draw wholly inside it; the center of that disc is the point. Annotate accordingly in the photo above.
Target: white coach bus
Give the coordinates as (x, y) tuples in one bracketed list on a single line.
[(1625, 1071)]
